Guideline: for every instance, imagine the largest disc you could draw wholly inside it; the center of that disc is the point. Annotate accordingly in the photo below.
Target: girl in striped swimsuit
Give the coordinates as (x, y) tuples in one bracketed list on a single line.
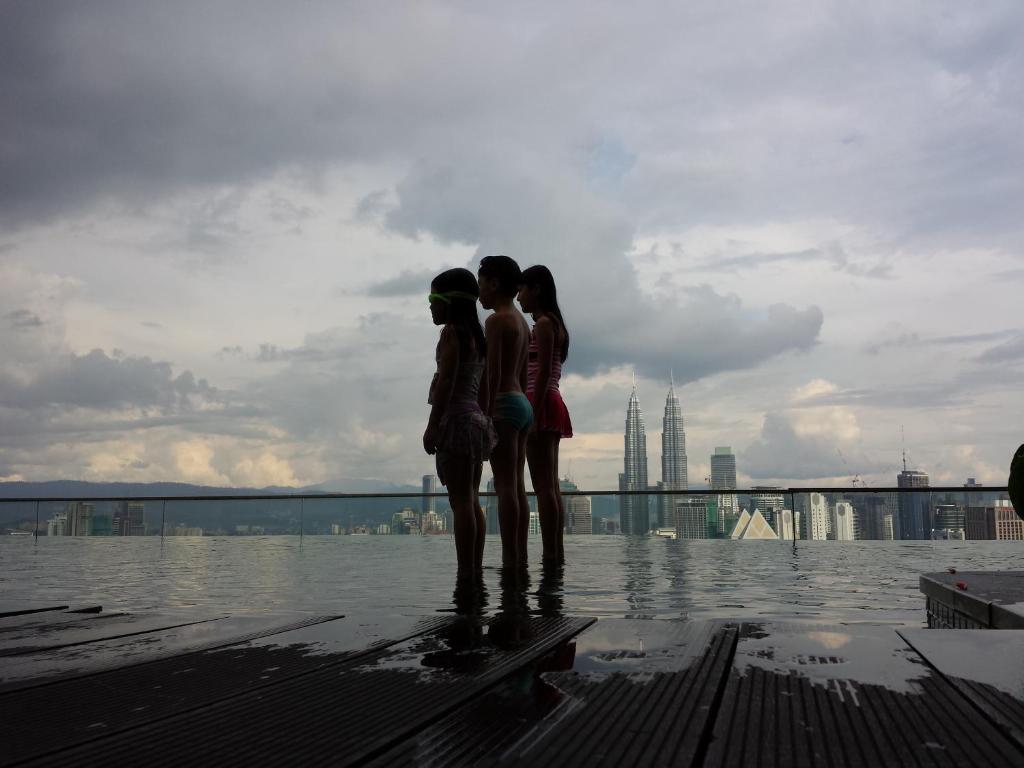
[(549, 347), (458, 432)]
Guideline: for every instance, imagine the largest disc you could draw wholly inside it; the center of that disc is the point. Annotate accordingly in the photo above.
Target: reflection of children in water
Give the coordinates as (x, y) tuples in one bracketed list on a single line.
[(464, 646), (511, 625), (550, 597)]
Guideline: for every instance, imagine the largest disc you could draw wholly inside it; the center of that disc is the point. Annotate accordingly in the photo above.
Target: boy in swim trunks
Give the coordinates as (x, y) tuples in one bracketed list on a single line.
[(508, 339)]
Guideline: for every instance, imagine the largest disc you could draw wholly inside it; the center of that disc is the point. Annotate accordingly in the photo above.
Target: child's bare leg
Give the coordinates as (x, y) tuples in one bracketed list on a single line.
[(459, 477), (481, 521), (524, 502), (504, 460), (538, 454), (560, 526)]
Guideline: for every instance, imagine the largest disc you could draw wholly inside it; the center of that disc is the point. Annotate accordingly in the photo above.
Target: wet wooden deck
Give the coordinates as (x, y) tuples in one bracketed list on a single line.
[(515, 688)]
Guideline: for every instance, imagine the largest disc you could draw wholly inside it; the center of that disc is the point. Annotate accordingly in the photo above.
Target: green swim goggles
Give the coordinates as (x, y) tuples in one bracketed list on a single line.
[(447, 296)]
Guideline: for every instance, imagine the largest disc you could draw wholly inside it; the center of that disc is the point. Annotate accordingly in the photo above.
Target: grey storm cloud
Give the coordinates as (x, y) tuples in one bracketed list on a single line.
[(1007, 352), (910, 340), (407, 283), (698, 331), (833, 255), (23, 318), (132, 101), (96, 380), (782, 453)]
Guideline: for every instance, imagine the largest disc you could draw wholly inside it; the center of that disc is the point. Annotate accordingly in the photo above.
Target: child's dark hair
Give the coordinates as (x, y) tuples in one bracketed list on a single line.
[(547, 297), (461, 310), (505, 271)]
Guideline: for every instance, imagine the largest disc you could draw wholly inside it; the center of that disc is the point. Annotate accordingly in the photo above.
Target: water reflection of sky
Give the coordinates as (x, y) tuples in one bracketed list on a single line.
[(376, 577)]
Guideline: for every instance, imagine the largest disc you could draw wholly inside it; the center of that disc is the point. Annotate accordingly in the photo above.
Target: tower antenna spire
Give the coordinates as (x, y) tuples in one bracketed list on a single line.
[(903, 444)]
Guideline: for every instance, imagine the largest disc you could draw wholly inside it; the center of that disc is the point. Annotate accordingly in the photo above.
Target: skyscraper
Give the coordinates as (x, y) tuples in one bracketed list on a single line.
[(79, 519), (634, 512), (578, 518), (427, 503), (673, 457), (819, 522), (128, 519), (490, 504), (691, 518), (723, 469), (914, 508), (723, 478), (844, 526), (769, 500)]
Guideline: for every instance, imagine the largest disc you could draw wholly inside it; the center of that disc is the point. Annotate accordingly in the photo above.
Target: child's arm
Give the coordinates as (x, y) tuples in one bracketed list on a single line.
[(447, 365), (483, 396), (493, 334), (544, 333)]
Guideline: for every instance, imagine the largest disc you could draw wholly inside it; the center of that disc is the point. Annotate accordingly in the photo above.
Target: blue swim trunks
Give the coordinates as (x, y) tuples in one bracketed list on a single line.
[(513, 408)]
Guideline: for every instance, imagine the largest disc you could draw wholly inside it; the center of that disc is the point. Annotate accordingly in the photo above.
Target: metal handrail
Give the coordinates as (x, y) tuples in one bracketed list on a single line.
[(443, 495)]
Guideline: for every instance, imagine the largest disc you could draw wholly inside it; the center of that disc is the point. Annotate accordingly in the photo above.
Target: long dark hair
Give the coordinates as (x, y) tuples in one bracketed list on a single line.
[(461, 310), (547, 297)]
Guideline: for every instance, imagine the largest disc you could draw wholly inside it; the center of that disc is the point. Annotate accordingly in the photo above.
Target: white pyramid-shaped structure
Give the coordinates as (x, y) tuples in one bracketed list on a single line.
[(758, 528), (741, 525)]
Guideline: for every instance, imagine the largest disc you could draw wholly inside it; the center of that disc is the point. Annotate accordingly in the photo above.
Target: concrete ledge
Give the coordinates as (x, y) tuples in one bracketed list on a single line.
[(991, 599)]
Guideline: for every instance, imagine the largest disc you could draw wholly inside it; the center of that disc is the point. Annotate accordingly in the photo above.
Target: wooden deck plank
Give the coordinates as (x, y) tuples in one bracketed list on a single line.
[(44, 667), (10, 608), (633, 718), (864, 698), (49, 618), (986, 667), (346, 713), (117, 700), (94, 628)]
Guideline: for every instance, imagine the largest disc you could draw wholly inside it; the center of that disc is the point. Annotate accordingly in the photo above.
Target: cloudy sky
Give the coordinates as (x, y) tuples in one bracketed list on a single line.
[(218, 222)]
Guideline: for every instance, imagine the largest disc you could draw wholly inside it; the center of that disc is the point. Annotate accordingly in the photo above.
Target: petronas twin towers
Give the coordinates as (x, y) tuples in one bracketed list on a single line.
[(634, 511)]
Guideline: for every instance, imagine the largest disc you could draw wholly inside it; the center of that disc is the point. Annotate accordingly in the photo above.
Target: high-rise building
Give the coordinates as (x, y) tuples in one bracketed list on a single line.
[(405, 521), (534, 523), (427, 503), (490, 504), (691, 518), (723, 469), (79, 519), (578, 516), (578, 510), (673, 457), (914, 519), (949, 522), (129, 519), (784, 524), (723, 478), (993, 520), (634, 510), (769, 500), (844, 525), (58, 524), (874, 514), (817, 517)]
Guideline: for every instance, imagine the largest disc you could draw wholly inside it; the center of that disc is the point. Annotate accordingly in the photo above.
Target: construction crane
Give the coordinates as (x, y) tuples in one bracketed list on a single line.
[(856, 481)]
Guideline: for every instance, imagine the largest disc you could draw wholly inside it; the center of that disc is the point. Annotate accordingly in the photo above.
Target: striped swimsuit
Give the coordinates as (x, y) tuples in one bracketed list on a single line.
[(555, 417)]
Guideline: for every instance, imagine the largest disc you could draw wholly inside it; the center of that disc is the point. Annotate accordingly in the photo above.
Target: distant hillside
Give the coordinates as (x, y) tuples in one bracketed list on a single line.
[(286, 516), (86, 490)]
